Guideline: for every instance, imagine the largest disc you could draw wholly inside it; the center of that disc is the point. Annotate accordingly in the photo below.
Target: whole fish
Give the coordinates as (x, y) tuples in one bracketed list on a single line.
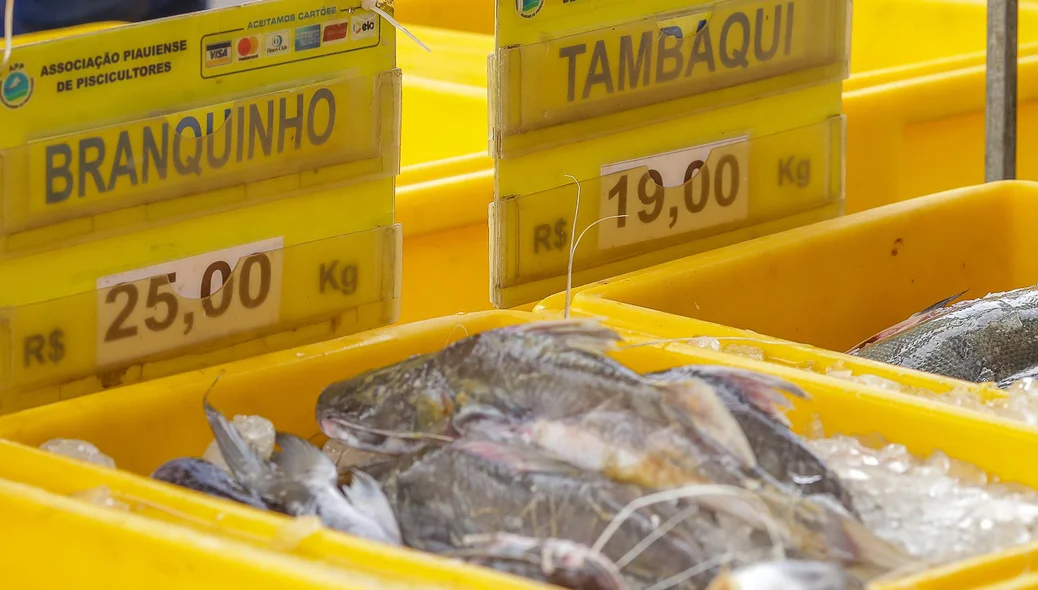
[(553, 385), (751, 399), (302, 481), (476, 488), (546, 370), (980, 340), (202, 476)]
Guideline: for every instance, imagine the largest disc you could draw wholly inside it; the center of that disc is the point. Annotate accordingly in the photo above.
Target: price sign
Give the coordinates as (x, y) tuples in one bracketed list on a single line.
[(670, 128), (117, 130), (191, 300), (193, 312), (676, 192)]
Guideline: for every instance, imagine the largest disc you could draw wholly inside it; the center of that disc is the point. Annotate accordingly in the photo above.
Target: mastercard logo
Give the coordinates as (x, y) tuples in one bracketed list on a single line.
[(248, 47)]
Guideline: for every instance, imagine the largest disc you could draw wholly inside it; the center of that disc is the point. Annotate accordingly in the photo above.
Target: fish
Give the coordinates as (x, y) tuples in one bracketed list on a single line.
[(202, 476), (551, 369), (553, 385), (981, 340), (790, 574), (475, 488), (755, 400), (300, 480)]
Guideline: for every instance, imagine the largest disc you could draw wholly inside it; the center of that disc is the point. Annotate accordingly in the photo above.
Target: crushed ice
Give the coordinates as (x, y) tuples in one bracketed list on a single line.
[(937, 508), (78, 449), (257, 431)]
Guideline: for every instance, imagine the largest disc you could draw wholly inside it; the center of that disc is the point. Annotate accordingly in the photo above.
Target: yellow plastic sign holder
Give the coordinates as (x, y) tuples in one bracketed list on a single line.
[(186, 251), (110, 130), (696, 125), (199, 311)]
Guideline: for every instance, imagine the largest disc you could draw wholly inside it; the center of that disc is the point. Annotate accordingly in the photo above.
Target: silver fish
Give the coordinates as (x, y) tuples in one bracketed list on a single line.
[(301, 481), (987, 339)]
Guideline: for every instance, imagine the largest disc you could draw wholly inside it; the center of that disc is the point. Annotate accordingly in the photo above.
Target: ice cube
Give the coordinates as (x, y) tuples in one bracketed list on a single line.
[(744, 350), (78, 449), (258, 433), (706, 342)]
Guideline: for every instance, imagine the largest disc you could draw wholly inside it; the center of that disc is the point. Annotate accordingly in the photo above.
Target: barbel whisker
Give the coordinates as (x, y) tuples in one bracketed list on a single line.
[(574, 243), (698, 490)]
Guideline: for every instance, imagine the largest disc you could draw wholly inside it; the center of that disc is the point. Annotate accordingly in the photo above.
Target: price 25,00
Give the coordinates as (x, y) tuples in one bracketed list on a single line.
[(253, 290)]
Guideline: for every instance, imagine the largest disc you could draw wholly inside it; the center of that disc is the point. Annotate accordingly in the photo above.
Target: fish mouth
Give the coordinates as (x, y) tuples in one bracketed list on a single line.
[(375, 440)]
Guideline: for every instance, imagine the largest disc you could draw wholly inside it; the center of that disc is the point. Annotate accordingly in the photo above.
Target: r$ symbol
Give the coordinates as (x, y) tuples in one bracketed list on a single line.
[(549, 237), (44, 348)]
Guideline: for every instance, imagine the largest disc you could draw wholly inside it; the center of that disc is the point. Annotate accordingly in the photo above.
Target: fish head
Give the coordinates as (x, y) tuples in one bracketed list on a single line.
[(397, 410)]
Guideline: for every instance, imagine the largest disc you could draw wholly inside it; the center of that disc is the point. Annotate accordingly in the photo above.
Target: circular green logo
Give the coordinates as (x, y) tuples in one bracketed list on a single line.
[(528, 8), (16, 89)]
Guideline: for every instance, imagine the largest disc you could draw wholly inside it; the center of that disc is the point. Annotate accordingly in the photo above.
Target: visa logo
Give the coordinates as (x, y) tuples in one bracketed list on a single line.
[(217, 54)]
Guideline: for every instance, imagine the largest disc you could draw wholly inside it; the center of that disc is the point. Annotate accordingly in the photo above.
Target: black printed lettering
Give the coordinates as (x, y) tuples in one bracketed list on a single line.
[(571, 54), (630, 68), (58, 172), (599, 73)]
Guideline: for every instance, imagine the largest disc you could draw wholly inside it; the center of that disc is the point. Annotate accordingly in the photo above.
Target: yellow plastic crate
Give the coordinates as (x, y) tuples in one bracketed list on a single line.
[(145, 425), (100, 548), (802, 295)]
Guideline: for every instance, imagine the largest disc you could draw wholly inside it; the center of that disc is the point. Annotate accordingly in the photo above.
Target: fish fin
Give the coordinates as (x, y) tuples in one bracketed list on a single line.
[(696, 404), (365, 494), (868, 548), (914, 320), (299, 459), (514, 457), (847, 540), (763, 392), (243, 461), (588, 334)]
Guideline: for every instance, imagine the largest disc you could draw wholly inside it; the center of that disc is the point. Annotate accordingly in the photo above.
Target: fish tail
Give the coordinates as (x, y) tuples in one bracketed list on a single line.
[(242, 460), (696, 404), (838, 535), (366, 495)]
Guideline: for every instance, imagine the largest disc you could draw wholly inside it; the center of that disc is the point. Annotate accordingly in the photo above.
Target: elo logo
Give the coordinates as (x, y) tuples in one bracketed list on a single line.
[(277, 42), (364, 26)]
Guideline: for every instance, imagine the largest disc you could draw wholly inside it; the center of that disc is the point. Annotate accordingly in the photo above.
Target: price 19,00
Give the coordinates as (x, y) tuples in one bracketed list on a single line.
[(674, 193), (722, 187)]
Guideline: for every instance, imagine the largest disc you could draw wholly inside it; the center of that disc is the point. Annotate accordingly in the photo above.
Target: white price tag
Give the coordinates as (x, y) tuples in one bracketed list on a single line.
[(675, 192), (188, 301)]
